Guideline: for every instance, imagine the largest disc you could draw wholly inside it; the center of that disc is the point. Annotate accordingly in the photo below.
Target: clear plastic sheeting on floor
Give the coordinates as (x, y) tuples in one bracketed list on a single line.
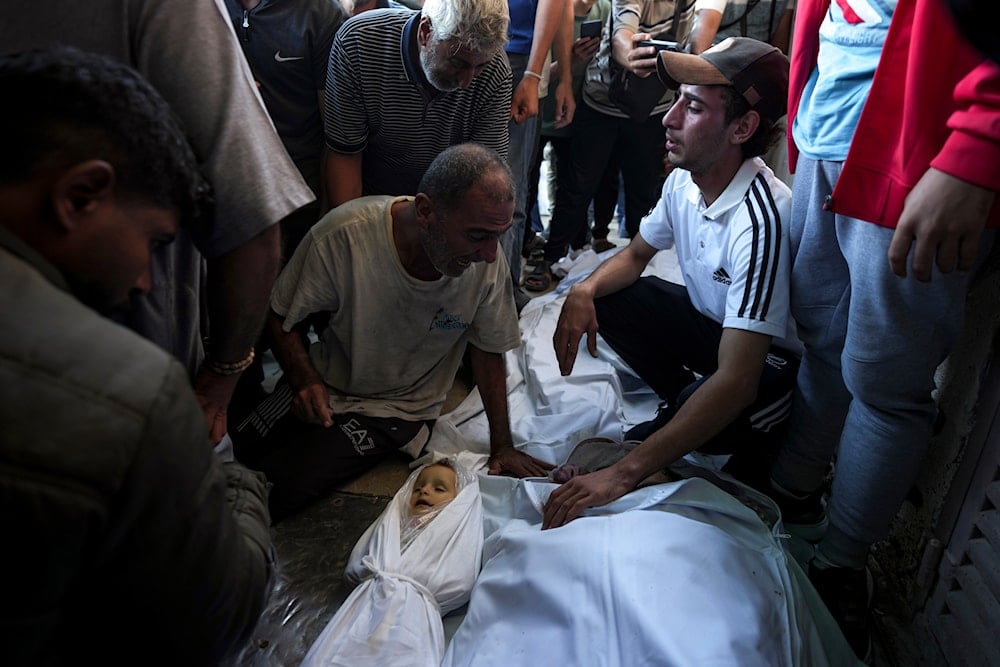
[(312, 551), (407, 580)]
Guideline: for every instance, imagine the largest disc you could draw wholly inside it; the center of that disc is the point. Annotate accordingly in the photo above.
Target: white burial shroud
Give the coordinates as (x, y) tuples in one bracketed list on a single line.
[(393, 617), (670, 575)]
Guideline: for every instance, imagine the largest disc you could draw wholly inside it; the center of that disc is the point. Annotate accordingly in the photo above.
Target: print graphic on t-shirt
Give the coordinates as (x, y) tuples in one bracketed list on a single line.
[(445, 320), (284, 59), (859, 11)]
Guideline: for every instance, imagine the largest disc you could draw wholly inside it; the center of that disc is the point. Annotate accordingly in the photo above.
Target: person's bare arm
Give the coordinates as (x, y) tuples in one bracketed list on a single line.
[(343, 178), (621, 45), (548, 14), (311, 397), (490, 375), (562, 46), (703, 30), (239, 285), (578, 317), (719, 400)]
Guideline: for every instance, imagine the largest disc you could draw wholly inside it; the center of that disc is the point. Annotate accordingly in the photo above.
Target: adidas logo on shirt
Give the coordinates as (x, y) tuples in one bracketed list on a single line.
[(720, 276)]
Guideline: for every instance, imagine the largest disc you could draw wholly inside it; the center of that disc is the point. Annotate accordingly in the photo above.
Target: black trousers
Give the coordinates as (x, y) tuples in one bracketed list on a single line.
[(305, 462), (656, 330), (597, 139), (604, 200)]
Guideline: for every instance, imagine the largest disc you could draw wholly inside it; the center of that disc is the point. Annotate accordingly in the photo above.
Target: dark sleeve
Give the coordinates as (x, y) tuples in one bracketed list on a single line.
[(190, 554), (330, 16), (345, 119), (194, 61), (972, 151), (492, 113)]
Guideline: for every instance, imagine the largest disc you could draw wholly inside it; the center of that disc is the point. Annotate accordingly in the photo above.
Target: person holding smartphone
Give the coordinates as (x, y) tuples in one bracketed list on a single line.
[(589, 18), (602, 128)]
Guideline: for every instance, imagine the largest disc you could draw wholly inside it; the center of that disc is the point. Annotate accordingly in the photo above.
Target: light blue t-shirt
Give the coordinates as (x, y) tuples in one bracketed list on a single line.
[(850, 45)]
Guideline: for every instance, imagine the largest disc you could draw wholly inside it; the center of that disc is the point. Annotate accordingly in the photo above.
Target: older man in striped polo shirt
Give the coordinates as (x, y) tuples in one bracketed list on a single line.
[(404, 85)]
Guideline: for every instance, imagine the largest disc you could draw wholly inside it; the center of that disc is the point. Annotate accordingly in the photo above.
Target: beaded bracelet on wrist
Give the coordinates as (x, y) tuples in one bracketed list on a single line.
[(220, 368)]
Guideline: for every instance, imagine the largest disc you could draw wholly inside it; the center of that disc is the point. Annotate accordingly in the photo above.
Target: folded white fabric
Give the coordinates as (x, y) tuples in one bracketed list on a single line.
[(411, 573), (549, 412)]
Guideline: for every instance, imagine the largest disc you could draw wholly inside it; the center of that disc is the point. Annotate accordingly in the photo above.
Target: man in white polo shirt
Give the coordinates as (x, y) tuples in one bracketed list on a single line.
[(720, 350)]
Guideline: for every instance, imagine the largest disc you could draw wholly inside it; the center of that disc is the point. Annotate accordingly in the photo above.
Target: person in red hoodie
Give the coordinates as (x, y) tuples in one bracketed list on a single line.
[(895, 143)]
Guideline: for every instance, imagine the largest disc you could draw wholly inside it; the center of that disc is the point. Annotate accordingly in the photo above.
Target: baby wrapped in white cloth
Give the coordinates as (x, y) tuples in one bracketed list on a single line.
[(416, 563)]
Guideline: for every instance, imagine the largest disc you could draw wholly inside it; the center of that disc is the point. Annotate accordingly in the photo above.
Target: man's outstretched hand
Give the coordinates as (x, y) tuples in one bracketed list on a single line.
[(509, 461), (576, 320), (569, 500)]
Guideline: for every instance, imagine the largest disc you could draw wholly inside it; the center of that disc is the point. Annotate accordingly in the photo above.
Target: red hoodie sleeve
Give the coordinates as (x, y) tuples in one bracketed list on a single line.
[(972, 150)]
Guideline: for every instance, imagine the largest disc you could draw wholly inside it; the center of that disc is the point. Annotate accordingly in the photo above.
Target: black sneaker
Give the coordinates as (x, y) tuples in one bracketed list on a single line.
[(642, 431), (603, 245), (848, 595), (802, 516), (521, 300)]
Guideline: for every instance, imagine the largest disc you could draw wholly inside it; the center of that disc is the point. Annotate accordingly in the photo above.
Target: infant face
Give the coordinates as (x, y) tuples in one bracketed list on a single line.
[(434, 485)]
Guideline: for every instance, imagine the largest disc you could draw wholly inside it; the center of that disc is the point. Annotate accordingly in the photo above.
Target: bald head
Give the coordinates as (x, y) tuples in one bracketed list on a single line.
[(462, 167)]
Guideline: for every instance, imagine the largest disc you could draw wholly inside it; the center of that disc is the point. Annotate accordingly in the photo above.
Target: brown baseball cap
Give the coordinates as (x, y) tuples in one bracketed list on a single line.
[(758, 72)]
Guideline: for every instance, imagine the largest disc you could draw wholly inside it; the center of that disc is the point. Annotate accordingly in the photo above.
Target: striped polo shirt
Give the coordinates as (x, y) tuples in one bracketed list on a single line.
[(734, 254), (379, 103)]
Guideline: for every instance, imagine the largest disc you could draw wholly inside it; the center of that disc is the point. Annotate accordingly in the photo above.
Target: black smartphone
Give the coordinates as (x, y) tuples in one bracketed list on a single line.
[(659, 44), (591, 28)]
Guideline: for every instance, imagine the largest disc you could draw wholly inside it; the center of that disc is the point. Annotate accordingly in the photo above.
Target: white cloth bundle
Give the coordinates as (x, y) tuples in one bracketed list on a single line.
[(393, 617)]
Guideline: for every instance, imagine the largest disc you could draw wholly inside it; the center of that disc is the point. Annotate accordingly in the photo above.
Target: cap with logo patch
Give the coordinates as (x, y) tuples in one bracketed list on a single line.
[(758, 72)]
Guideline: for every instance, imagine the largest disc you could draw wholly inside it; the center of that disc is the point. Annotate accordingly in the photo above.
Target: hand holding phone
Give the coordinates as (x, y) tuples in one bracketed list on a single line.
[(590, 29), (658, 44), (584, 50), (643, 56)]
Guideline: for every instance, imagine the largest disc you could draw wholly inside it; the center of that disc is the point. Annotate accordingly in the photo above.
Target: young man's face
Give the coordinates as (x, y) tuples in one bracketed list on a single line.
[(697, 131), (434, 485), (115, 250), (469, 233), (448, 67)]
